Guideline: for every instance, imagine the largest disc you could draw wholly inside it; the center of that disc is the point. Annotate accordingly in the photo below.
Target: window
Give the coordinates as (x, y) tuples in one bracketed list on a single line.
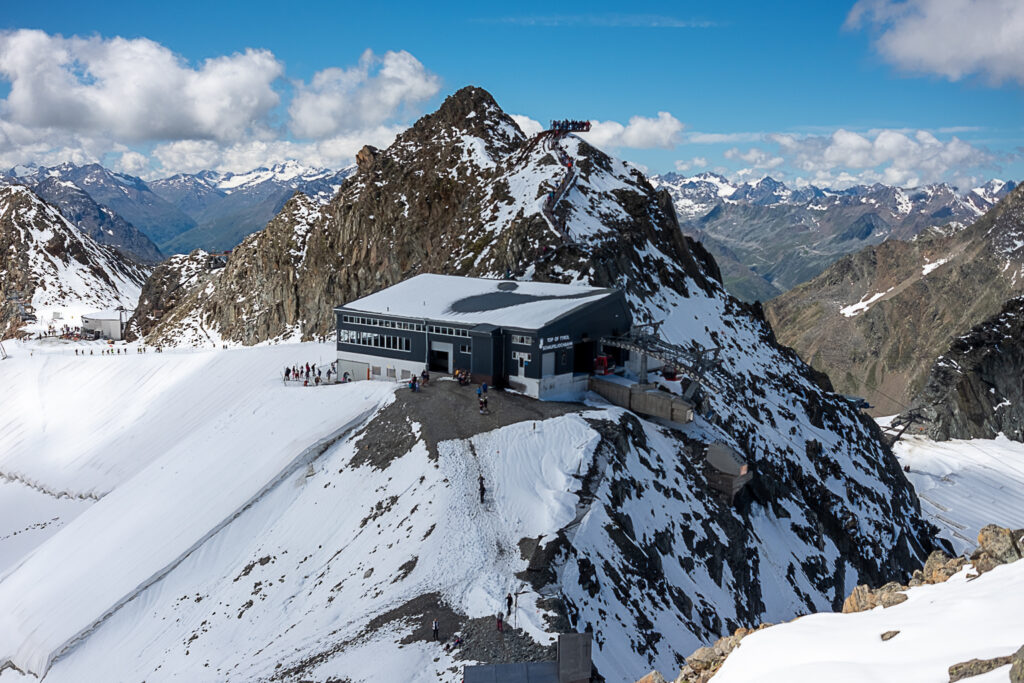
[(465, 348), (522, 339), (391, 373), (380, 341), (521, 357)]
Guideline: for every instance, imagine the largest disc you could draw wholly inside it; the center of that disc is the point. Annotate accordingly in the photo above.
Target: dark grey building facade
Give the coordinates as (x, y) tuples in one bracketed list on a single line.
[(538, 338)]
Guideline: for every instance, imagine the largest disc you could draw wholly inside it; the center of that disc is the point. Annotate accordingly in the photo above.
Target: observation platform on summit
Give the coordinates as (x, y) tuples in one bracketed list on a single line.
[(538, 338)]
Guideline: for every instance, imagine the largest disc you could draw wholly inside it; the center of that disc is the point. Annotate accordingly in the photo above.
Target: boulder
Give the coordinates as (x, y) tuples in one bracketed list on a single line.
[(653, 677), (859, 600), (365, 157), (1017, 666), (999, 544), (889, 635), (976, 667)]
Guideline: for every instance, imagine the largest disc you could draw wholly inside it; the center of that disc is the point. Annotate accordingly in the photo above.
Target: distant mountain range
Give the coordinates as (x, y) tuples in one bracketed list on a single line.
[(147, 219), (768, 237), (877, 320)]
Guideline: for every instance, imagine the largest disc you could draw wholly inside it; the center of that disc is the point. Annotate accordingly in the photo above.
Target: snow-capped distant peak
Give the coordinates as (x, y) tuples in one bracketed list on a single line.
[(285, 172)]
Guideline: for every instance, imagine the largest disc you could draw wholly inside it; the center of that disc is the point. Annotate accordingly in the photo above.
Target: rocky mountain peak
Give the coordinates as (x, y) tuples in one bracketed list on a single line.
[(469, 111)]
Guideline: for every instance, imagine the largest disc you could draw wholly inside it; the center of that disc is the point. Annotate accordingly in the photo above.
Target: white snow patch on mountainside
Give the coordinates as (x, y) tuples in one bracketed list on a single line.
[(862, 305), (929, 267), (939, 625)]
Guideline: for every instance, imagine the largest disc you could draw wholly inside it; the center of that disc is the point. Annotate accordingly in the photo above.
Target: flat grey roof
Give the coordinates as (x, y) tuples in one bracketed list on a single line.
[(469, 300)]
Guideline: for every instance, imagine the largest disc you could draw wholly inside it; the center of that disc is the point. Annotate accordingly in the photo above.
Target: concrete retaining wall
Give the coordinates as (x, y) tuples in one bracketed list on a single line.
[(645, 399)]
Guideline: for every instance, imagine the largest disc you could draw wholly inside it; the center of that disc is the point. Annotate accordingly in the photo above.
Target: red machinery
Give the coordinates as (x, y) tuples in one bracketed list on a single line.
[(604, 365)]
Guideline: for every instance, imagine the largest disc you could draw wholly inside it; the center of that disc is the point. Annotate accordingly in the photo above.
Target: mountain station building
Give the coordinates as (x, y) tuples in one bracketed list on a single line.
[(539, 338)]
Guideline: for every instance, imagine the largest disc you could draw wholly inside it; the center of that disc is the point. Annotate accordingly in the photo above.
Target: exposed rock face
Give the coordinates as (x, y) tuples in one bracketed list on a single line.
[(47, 264), (975, 390), (170, 283), (875, 321)]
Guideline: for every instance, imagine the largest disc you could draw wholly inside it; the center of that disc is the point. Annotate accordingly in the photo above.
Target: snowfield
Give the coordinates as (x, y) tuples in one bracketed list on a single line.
[(171, 460), (965, 484), (939, 625)]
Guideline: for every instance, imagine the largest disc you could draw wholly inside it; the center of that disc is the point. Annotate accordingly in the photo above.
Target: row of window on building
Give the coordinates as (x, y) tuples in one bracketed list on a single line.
[(401, 325), (522, 339), (381, 322), (380, 341)]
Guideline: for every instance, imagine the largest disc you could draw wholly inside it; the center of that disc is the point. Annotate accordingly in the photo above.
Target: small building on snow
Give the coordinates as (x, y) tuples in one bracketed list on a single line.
[(107, 324), (539, 338)]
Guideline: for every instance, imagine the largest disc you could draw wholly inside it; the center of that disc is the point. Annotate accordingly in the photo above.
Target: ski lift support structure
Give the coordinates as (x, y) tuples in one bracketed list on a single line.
[(698, 364)]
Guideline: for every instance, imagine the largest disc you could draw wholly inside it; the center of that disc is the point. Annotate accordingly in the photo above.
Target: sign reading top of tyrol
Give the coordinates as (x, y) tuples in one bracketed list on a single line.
[(563, 341), (539, 338)]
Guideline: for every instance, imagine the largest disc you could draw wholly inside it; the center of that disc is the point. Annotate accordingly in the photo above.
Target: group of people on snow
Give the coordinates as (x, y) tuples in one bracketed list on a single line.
[(310, 374)]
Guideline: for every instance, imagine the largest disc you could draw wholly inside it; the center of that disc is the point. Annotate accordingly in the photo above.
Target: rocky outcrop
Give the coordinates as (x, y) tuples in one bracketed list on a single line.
[(877, 320), (168, 285), (974, 390), (704, 663)]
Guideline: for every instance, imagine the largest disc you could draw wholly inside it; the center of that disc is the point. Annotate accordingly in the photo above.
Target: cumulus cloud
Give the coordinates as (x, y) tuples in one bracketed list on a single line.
[(756, 158), (137, 107), (339, 101), (133, 89), (190, 156), (640, 133), (529, 126), (696, 163), (888, 156), (951, 38)]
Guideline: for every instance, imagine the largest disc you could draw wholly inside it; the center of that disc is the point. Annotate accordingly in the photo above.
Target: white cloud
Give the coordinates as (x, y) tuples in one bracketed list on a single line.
[(888, 156), (757, 158), (340, 101), (693, 164), (133, 89), (190, 156), (640, 133), (951, 38), (529, 126), (720, 138), (132, 163)]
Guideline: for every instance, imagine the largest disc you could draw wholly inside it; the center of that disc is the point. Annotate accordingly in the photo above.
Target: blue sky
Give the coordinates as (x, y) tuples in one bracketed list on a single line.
[(901, 92)]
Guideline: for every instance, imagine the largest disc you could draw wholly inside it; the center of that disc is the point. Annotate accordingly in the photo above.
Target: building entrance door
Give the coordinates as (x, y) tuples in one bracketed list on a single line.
[(440, 357)]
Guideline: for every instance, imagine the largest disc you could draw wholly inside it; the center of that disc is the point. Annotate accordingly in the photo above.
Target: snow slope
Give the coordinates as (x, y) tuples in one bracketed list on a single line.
[(965, 484), (193, 477), (939, 625)]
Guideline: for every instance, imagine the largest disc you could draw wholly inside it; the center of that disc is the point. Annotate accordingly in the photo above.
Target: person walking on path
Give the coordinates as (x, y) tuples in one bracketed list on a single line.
[(508, 604), (483, 489), (434, 626), (501, 623)]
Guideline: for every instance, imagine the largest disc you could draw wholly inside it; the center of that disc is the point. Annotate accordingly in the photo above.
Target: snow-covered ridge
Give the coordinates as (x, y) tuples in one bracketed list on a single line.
[(55, 267)]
